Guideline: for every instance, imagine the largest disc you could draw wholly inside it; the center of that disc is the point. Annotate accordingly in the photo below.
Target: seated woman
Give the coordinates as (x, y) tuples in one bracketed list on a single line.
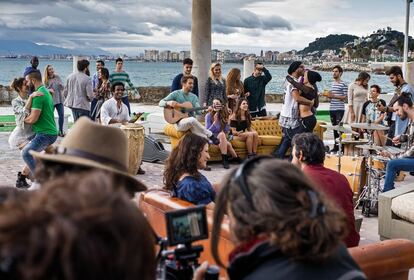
[(181, 175), (217, 122), (283, 227), (308, 90), (241, 124)]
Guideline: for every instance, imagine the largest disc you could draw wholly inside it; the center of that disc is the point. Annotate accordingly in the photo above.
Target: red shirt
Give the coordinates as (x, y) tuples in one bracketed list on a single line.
[(336, 187)]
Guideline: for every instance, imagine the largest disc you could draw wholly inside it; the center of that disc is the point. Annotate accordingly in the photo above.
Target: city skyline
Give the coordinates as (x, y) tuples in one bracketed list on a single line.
[(130, 27)]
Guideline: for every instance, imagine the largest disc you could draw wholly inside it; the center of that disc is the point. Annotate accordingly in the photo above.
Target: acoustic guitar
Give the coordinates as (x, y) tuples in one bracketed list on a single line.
[(174, 114)]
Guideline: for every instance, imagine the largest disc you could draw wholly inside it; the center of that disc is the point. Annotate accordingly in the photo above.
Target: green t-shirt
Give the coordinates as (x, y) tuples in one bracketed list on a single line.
[(46, 123)]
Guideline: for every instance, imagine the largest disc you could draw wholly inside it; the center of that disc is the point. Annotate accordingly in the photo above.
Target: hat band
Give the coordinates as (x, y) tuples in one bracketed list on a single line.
[(82, 154)]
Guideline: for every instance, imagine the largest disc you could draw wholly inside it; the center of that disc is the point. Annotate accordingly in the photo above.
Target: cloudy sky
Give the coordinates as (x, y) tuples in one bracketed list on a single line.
[(130, 26)]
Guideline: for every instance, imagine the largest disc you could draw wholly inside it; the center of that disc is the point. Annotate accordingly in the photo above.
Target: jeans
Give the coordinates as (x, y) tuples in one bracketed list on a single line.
[(288, 134), (261, 113), (395, 165), (77, 113), (336, 118), (61, 113), (93, 105), (309, 123), (38, 144), (126, 102)]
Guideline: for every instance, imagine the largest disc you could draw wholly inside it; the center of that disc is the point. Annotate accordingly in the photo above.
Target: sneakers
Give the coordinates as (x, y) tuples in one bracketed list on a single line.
[(21, 182), (207, 168), (251, 155), (140, 171), (214, 140)]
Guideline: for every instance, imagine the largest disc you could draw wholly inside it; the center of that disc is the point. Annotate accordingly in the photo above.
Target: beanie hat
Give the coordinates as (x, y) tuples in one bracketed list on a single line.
[(295, 65), (314, 77)]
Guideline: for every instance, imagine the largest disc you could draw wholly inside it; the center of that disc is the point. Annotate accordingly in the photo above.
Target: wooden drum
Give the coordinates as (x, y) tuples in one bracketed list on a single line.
[(136, 138), (352, 167)]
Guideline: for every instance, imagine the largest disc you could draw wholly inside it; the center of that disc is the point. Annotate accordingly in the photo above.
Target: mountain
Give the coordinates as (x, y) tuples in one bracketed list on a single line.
[(331, 42), (21, 47)]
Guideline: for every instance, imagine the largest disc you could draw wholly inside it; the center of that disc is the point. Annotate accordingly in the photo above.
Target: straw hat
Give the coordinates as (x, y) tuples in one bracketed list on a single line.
[(93, 145)]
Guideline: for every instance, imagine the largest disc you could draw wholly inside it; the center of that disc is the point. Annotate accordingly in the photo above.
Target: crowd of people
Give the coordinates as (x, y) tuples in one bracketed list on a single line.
[(283, 223)]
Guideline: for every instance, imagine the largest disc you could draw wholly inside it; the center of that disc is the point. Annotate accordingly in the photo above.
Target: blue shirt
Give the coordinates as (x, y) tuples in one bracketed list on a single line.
[(176, 84), (198, 191), (95, 81)]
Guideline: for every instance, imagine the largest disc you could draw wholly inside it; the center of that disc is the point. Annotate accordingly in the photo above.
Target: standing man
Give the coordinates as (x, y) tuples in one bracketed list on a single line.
[(95, 85), (34, 62), (78, 91), (255, 89), (337, 96), (289, 117), (309, 154), (41, 118), (121, 76), (397, 126), (404, 109), (187, 67)]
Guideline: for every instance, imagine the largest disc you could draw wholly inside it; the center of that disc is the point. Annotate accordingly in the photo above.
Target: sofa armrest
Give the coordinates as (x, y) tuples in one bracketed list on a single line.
[(385, 214), (390, 259)]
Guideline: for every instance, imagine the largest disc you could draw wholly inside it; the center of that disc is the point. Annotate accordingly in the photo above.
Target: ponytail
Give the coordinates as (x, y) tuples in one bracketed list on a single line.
[(17, 84)]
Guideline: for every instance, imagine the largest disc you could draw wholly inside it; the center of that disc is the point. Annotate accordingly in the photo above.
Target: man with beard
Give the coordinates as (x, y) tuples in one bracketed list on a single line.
[(114, 110), (404, 109), (41, 118), (397, 126)]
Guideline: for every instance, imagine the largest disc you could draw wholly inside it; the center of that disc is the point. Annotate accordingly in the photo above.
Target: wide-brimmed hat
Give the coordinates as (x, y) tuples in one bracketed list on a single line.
[(93, 145)]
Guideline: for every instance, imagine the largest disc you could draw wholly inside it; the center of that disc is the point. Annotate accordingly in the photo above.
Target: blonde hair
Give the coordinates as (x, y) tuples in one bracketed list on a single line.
[(211, 73), (46, 75)]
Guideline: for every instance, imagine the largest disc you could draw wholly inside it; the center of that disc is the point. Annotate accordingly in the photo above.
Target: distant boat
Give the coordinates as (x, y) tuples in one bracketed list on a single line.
[(11, 56)]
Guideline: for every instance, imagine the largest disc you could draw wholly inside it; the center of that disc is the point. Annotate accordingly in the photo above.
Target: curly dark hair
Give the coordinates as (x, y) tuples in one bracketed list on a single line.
[(312, 148), (76, 227), (282, 207), (238, 112), (223, 114), (183, 159)]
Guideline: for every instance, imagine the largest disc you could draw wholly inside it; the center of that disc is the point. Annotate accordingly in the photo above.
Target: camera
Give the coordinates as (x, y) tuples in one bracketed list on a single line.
[(183, 228)]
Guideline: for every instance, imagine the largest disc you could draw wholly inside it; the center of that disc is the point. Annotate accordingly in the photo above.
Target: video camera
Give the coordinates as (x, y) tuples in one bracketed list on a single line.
[(183, 228)]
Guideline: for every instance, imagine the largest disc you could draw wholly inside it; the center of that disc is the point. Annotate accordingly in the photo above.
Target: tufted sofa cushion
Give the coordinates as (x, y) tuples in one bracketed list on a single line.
[(267, 127), (403, 206)]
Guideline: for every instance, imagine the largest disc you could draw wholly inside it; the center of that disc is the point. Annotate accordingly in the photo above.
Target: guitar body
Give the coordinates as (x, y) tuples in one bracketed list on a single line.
[(173, 115)]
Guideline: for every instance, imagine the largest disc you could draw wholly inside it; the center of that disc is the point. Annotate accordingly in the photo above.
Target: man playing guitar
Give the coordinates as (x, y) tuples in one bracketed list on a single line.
[(184, 98), (404, 161)]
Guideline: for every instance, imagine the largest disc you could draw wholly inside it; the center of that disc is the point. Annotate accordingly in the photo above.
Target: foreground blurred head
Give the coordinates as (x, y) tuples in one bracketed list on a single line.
[(76, 227), (270, 198)]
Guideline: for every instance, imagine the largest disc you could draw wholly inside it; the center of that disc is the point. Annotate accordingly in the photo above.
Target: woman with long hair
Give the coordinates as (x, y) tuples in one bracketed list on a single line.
[(55, 86), (241, 124), (234, 87), (182, 176), (215, 85), (102, 94), (308, 90), (217, 121), (282, 226), (357, 96), (23, 132)]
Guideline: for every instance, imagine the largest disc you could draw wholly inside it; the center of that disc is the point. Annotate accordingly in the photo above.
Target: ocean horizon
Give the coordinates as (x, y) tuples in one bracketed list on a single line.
[(144, 74)]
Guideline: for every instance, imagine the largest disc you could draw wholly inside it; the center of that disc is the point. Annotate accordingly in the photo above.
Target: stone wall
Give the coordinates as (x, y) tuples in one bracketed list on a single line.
[(149, 95)]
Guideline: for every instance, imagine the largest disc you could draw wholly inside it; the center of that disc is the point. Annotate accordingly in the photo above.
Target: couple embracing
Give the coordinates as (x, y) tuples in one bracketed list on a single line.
[(300, 103)]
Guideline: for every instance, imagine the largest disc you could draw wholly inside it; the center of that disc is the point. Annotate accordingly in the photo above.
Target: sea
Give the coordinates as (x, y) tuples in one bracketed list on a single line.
[(162, 73)]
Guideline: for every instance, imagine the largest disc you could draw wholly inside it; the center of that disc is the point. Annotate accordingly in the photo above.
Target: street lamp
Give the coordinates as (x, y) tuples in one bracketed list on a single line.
[(407, 23)]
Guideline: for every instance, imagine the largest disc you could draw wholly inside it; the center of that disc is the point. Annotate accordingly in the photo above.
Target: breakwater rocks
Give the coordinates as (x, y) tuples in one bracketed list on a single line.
[(149, 95), (328, 66)]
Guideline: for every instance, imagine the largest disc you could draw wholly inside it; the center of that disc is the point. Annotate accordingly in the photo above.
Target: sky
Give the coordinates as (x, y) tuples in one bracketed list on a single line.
[(130, 27)]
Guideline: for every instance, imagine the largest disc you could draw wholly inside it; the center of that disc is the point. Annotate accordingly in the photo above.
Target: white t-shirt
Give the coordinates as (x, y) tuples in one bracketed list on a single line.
[(289, 117), (110, 110)]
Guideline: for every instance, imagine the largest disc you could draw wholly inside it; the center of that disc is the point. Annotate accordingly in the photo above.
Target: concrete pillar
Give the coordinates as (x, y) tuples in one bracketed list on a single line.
[(248, 67), (201, 43), (409, 73)]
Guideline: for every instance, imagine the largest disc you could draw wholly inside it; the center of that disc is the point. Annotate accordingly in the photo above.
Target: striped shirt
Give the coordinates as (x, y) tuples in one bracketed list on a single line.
[(338, 88), (122, 77)]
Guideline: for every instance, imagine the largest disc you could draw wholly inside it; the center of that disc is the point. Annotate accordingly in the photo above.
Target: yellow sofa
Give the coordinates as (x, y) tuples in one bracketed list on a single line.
[(270, 136)]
